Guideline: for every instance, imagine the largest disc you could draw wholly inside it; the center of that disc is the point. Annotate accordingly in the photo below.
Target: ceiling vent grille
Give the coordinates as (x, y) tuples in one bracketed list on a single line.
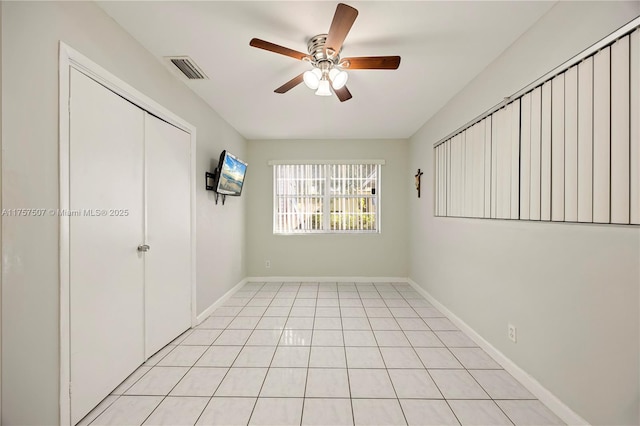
[(188, 67)]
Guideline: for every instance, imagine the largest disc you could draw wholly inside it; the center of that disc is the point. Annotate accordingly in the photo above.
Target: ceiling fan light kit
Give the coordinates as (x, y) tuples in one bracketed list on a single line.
[(338, 78), (325, 72), (323, 88), (324, 56), (312, 78)]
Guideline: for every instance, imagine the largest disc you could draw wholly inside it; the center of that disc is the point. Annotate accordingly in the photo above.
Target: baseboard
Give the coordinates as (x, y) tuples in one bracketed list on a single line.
[(543, 394), (329, 279), (205, 314)]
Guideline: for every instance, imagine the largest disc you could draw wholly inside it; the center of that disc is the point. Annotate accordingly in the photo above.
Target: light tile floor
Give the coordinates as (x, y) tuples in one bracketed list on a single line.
[(322, 354)]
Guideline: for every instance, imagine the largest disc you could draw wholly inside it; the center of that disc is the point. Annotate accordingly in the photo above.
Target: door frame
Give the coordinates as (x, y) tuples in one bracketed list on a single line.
[(71, 58)]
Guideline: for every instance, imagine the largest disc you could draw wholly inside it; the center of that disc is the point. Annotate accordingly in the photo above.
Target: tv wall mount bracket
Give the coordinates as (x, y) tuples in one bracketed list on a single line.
[(210, 179)]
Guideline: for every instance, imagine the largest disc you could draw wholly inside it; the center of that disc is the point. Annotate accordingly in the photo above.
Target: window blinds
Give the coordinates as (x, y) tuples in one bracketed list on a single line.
[(324, 198), (567, 150)]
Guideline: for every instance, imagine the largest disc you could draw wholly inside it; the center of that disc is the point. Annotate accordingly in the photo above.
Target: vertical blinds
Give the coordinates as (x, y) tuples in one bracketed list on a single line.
[(566, 151), (326, 198), (299, 197)]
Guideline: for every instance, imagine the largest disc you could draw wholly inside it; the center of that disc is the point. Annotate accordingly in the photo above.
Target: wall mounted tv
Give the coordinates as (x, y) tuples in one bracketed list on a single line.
[(230, 174)]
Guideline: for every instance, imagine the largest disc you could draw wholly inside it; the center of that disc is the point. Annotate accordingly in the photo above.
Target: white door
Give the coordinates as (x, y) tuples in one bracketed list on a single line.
[(168, 261), (106, 270)]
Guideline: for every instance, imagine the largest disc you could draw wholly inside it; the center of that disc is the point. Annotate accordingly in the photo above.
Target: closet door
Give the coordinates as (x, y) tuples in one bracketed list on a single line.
[(168, 231), (106, 270)]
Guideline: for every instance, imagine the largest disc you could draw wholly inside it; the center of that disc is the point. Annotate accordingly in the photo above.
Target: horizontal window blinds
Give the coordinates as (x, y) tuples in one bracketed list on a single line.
[(568, 150)]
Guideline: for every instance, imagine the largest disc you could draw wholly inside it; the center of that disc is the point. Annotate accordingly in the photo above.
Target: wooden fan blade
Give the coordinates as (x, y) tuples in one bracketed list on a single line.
[(271, 47), (343, 94), (371, 63), (290, 84), (342, 22)]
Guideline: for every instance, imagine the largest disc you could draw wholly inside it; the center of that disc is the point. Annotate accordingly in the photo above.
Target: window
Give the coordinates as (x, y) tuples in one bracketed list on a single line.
[(564, 149), (326, 198)]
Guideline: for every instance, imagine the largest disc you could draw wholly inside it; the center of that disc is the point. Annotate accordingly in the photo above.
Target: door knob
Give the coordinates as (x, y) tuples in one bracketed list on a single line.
[(143, 247)]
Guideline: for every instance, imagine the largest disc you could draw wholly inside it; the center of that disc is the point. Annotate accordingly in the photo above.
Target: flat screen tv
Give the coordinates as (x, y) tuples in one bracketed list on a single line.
[(231, 173)]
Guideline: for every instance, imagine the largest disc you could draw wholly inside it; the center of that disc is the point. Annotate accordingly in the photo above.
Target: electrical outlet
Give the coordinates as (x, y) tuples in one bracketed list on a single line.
[(512, 332), (267, 264)]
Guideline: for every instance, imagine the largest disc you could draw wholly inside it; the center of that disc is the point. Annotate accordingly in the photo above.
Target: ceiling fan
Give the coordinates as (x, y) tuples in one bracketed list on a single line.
[(329, 69)]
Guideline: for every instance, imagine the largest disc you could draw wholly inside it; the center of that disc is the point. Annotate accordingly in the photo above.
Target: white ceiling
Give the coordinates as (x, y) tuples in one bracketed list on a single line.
[(443, 46)]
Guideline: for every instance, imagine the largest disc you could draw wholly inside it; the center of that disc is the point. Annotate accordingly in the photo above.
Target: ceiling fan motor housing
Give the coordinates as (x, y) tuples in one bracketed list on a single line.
[(317, 52)]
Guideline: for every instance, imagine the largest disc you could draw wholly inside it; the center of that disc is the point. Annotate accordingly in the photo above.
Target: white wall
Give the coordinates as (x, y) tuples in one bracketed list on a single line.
[(1, 268), (30, 35), (381, 255), (572, 290)]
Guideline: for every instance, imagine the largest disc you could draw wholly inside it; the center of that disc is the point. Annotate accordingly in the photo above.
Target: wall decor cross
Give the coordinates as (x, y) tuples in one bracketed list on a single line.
[(417, 175)]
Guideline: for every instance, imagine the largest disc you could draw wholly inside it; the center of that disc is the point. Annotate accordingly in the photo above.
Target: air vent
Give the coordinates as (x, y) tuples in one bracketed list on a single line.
[(188, 67)]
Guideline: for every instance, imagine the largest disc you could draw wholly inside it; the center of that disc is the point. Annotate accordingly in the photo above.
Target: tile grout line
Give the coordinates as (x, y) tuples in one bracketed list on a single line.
[(231, 365), (383, 360), (473, 377), (427, 370), (272, 356), (188, 332), (229, 368), (468, 372), (387, 302), (164, 397), (306, 381), (101, 411), (236, 357), (346, 363)]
